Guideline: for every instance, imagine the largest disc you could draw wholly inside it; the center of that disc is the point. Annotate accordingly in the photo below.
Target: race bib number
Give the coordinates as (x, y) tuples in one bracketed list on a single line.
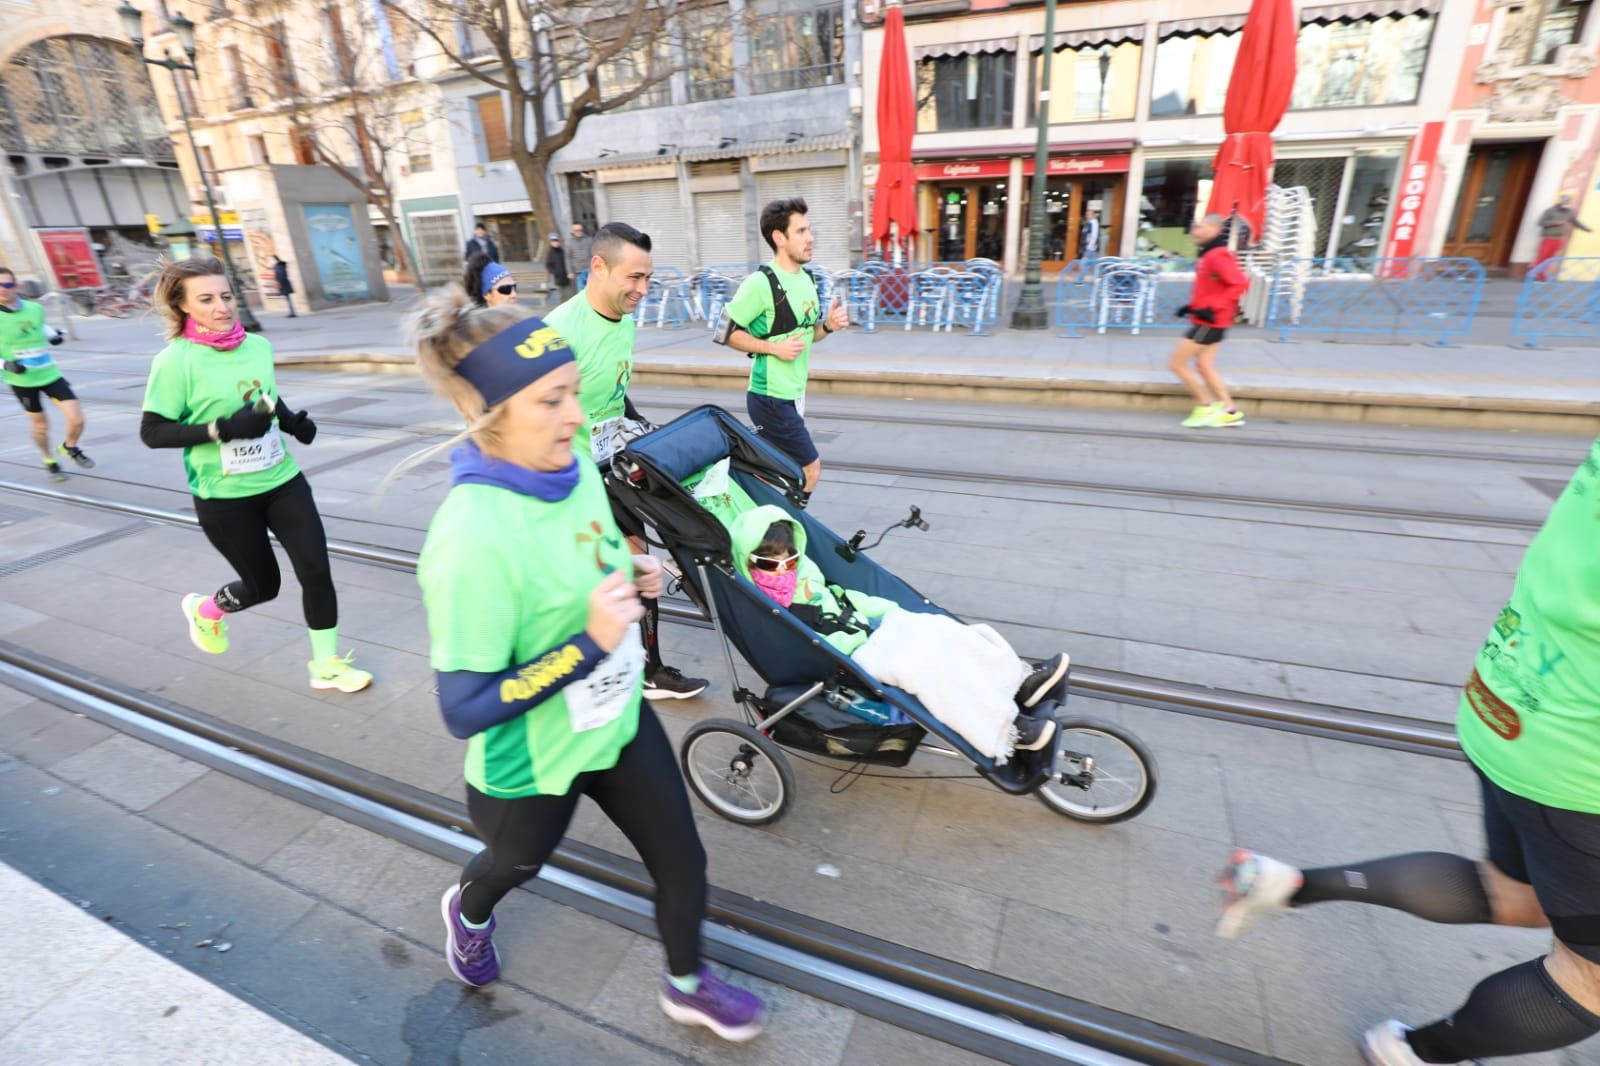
[(32, 358), (604, 439), (601, 697), (250, 456)]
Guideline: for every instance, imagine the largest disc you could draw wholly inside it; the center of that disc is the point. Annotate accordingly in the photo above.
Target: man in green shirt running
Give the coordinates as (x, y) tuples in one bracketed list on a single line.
[(33, 374), (777, 332), (1529, 722), (597, 323)]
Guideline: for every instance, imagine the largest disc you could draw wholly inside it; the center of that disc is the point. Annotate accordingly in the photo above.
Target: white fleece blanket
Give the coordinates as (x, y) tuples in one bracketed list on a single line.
[(967, 676)]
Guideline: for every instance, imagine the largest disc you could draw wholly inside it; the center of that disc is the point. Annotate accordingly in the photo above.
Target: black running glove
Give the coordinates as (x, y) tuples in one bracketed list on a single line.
[(1183, 312), (246, 423), (297, 424), (14, 367), (1204, 314)]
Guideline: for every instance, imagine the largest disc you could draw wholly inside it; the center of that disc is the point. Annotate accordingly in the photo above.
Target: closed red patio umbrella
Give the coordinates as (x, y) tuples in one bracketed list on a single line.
[(1258, 94), (895, 198)]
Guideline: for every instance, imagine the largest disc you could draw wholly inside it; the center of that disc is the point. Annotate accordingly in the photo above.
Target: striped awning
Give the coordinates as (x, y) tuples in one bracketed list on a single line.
[(1357, 10), (1198, 27), (1067, 40), (966, 48)]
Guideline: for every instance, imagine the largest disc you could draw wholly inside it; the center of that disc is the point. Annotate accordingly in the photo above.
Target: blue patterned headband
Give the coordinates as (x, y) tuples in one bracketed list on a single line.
[(493, 274), (513, 359)]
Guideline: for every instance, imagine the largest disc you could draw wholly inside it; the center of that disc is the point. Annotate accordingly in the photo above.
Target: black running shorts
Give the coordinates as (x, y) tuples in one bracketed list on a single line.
[(29, 395), (1203, 334), (1557, 852)]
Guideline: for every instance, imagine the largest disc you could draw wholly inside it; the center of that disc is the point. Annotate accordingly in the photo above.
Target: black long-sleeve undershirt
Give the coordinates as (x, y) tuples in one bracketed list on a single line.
[(157, 431)]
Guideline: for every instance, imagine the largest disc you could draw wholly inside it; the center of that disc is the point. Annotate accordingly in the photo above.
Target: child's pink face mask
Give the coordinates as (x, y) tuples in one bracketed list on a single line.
[(780, 586)]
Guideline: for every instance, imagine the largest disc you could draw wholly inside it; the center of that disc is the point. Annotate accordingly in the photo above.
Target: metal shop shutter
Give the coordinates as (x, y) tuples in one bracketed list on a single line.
[(439, 246), (720, 221), (652, 206), (824, 193)]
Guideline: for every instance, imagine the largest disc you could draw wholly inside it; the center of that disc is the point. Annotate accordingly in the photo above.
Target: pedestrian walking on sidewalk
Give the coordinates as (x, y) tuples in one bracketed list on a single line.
[(1555, 229), (487, 283), (598, 324), (280, 278), (775, 318), (480, 243), (555, 265), (31, 371), (212, 393), (1529, 722), (533, 604), (580, 249), (1213, 303)]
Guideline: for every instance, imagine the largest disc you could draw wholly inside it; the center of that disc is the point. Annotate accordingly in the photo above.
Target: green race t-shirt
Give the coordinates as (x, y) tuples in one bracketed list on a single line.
[(1530, 717), (22, 340), (603, 348), (506, 577), (751, 307), (196, 385)]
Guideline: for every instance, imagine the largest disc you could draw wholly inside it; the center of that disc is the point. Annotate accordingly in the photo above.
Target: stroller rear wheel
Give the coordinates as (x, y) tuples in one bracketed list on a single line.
[(1104, 773), (736, 771)]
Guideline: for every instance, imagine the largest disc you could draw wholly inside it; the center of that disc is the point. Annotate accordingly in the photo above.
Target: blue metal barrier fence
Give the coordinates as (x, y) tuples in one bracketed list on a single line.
[(1560, 298), (1397, 297), (1124, 294)]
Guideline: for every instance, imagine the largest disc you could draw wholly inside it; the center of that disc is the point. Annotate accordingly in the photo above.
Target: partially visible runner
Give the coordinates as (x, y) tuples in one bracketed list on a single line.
[(32, 374), (776, 319), (212, 393), (1218, 285), (1529, 721), (597, 323), (532, 598), (487, 282)]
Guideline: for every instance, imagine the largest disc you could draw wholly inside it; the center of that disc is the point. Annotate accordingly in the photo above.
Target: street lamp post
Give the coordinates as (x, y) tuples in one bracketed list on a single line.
[(133, 26), (1030, 312)]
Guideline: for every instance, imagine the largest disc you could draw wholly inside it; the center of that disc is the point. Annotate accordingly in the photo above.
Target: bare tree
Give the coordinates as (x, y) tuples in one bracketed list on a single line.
[(350, 104), (556, 61)]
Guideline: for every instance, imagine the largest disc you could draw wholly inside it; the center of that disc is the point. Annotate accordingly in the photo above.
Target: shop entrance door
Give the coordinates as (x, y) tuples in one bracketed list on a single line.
[(1081, 217), (972, 221), (1494, 194)]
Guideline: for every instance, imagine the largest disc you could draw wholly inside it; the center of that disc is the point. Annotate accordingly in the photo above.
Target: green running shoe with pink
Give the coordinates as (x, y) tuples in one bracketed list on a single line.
[(210, 635)]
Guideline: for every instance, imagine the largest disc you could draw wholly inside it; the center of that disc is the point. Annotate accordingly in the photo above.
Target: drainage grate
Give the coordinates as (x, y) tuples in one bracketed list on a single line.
[(62, 551)]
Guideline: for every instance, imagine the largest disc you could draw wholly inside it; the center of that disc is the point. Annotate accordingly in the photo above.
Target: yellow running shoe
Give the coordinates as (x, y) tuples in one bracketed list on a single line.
[(207, 634), (335, 672), (1201, 415), (1224, 417)]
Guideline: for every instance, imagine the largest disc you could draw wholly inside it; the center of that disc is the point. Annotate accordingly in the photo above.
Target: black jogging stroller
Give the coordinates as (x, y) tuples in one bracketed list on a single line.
[(817, 700)]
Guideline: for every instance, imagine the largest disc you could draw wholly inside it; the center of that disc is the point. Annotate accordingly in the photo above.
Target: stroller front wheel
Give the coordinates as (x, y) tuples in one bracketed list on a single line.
[(1105, 774), (736, 771)]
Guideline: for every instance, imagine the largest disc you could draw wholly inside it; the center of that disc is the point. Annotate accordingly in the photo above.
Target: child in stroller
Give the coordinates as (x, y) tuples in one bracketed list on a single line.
[(966, 675)]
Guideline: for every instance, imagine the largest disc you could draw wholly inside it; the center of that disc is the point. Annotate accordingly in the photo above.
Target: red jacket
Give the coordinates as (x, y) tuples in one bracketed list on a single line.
[(1218, 284)]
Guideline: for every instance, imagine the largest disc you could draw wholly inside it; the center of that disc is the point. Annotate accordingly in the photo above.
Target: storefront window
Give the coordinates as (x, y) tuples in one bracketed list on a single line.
[(1167, 204), (1361, 62), (1366, 209), (972, 222), (1088, 83), (1192, 73), (1322, 177), (965, 92)]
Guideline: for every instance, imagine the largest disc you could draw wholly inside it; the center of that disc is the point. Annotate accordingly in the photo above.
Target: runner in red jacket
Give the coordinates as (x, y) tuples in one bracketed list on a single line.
[(1218, 284)]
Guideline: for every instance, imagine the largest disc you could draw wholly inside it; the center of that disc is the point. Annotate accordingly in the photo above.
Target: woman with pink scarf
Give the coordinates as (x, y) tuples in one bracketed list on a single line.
[(212, 393)]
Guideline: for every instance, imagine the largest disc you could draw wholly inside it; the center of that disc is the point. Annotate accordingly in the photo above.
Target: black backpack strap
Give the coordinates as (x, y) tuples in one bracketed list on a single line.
[(784, 319)]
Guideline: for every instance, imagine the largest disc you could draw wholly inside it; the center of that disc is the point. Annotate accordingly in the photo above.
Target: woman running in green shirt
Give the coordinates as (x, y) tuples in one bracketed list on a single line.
[(212, 393), (532, 596)]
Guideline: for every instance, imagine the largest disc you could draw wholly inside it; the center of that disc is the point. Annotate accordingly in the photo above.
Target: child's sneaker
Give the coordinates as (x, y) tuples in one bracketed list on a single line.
[(470, 952), (1254, 886), (210, 635), (1042, 680), (335, 672), (731, 1012)]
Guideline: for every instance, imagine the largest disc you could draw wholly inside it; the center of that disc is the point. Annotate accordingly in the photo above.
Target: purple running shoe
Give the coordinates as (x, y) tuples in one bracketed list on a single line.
[(470, 952), (731, 1012)]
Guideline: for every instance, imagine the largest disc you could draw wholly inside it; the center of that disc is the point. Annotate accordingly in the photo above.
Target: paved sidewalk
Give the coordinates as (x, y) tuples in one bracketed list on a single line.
[(1487, 384)]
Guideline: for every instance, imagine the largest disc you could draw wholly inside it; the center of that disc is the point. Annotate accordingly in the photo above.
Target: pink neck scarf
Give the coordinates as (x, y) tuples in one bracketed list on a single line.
[(225, 341)]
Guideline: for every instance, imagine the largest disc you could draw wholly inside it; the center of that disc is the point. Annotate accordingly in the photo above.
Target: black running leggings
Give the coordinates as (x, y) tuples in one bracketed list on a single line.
[(644, 796), (238, 529)]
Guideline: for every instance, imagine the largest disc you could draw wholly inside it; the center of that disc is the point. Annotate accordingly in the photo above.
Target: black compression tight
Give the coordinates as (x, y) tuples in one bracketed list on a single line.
[(1433, 885), (651, 631), (1518, 1011), (238, 529), (644, 795)]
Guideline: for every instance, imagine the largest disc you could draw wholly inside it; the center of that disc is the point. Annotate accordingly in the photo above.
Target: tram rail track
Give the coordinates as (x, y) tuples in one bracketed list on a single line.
[(1397, 732), (985, 1013)]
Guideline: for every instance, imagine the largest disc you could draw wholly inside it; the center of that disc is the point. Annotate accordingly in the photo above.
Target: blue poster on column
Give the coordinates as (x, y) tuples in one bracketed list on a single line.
[(337, 251)]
